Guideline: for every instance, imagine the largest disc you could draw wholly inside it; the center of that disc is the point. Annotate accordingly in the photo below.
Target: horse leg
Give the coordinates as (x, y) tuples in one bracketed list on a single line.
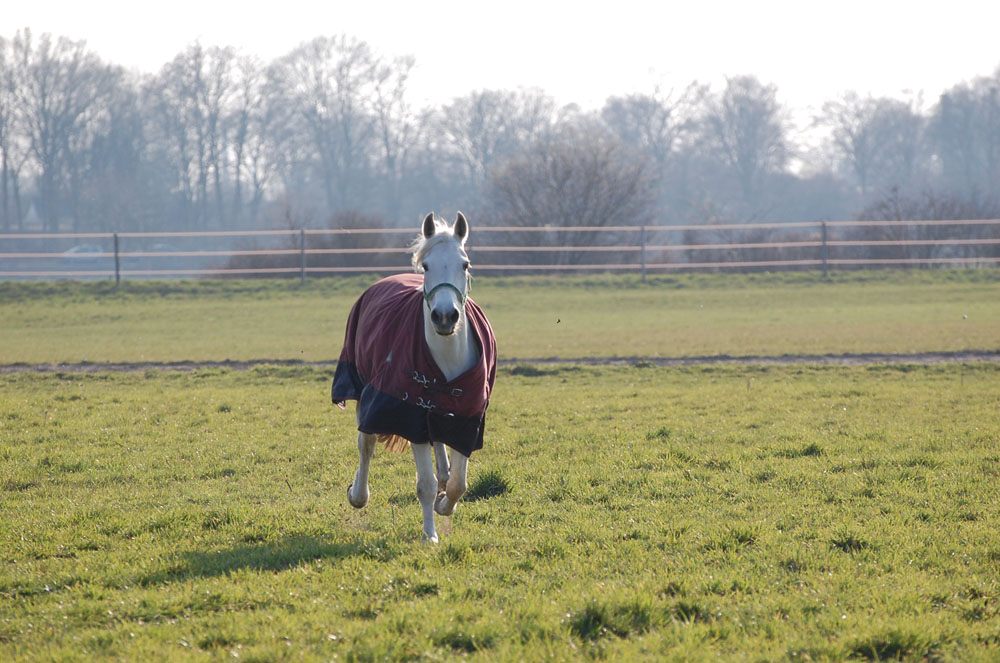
[(457, 485), (426, 487), (357, 493), (441, 460)]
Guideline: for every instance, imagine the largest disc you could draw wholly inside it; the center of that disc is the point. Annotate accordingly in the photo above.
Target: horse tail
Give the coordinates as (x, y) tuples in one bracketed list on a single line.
[(394, 443)]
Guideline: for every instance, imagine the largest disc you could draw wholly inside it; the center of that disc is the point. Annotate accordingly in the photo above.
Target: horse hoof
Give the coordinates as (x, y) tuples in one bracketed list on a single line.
[(356, 504), (429, 540), (442, 505)]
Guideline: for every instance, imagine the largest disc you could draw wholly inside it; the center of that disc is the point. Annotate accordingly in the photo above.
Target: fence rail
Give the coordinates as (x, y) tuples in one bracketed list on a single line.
[(513, 249)]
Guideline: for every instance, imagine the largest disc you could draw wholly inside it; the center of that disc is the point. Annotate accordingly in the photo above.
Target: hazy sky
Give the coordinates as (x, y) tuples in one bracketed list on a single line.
[(576, 51)]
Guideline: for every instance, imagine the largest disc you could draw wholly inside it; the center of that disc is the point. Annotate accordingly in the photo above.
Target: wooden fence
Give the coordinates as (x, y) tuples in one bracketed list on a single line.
[(506, 249)]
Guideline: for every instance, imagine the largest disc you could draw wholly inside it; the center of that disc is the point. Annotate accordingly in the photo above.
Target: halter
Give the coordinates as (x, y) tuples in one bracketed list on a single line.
[(462, 296)]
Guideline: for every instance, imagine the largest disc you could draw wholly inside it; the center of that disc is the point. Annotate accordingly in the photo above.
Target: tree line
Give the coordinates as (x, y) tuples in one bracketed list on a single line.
[(328, 135)]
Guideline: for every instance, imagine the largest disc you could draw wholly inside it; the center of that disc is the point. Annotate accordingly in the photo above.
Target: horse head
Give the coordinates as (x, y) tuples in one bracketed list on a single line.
[(439, 253)]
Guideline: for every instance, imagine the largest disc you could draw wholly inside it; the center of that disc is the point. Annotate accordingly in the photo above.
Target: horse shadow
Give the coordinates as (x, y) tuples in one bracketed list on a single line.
[(271, 556)]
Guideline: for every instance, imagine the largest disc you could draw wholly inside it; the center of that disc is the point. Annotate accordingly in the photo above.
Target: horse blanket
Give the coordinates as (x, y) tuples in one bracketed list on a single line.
[(387, 367)]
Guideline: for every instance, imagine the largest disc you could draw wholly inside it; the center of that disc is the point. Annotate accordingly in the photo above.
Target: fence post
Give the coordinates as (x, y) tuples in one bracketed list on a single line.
[(642, 241), (825, 249), (118, 277), (302, 255)]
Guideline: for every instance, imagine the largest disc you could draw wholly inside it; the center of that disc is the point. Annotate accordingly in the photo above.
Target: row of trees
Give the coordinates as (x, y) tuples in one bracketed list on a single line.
[(218, 139)]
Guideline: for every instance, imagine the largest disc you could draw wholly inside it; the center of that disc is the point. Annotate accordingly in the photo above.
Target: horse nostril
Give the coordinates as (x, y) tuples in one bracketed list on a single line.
[(453, 316), (435, 317)]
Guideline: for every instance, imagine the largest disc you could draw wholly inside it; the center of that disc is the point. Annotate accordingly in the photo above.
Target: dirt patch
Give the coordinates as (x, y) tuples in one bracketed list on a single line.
[(777, 360)]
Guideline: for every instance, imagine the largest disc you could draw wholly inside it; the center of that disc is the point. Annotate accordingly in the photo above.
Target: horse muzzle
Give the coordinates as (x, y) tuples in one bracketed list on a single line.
[(445, 322)]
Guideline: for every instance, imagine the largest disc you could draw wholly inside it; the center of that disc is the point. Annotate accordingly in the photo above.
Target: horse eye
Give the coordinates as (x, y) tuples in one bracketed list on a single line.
[(465, 265), (424, 266)]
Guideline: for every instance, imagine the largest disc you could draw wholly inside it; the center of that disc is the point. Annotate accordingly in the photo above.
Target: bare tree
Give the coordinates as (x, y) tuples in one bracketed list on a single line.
[(190, 100), (58, 88), (582, 175), (653, 124), (207, 79), (122, 186), (397, 128), (483, 128), (217, 86), (853, 139), (330, 82), (170, 143), (242, 120), (903, 129), (965, 132), (746, 129), (879, 140), (657, 126), (9, 135)]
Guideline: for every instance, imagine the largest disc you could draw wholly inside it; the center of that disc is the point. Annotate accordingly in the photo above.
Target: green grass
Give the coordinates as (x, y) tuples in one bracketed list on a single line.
[(599, 316), (630, 513)]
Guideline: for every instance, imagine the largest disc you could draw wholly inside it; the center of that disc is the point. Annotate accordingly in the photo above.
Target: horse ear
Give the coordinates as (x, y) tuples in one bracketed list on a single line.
[(461, 227), (428, 227)]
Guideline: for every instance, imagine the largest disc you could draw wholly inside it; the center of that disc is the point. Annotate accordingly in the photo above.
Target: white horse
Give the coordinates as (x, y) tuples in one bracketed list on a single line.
[(402, 396)]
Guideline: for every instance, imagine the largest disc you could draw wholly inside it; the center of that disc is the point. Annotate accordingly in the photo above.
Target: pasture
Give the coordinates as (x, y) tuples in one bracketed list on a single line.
[(782, 513), (573, 317)]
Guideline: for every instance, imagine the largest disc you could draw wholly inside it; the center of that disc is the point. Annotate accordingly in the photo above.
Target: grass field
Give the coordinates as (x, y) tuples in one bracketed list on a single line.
[(739, 513), (628, 513), (900, 312)]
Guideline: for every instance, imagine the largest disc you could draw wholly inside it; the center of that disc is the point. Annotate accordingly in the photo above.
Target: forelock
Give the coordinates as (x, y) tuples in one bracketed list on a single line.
[(422, 245)]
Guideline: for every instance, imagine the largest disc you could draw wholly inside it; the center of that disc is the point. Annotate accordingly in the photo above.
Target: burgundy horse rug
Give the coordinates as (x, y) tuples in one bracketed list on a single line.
[(387, 367)]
